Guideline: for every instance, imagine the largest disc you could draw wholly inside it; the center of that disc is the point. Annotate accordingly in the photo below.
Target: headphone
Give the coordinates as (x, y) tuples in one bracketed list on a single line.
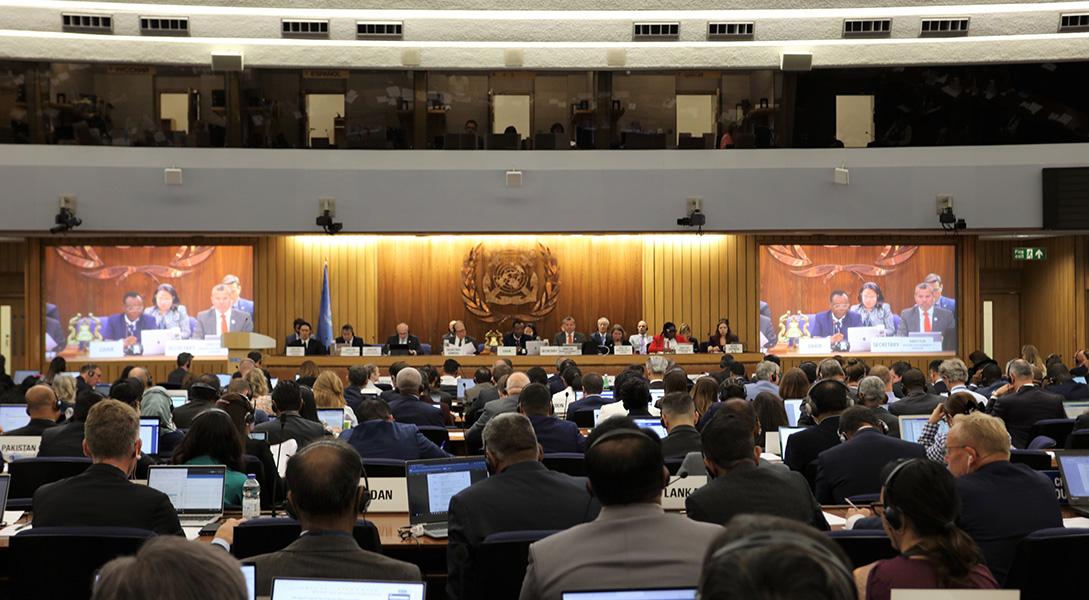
[(837, 575), (212, 410), (626, 432), (883, 426), (250, 410), (364, 503), (892, 514), (204, 386)]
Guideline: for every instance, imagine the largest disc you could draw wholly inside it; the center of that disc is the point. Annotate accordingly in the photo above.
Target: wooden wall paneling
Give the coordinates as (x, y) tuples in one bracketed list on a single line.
[(1081, 310), (1047, 312), (33, 346), (969, 306)]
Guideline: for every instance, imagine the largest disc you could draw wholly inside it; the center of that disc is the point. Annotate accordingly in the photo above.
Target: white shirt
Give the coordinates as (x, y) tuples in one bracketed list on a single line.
[(923, 317), (561, 399), (640, 341), (219, 321), (963, 388)]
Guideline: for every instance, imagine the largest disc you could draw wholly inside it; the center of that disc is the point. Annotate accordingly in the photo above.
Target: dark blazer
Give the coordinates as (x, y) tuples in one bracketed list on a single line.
[(184, 414), (392, 343), (889, 419), (328, 555), (385, 439), (586, 403), (1070, 390), (115, 326), (556, 384), (34, 427), (917, 402), (63, 440), (103, 496), (941, 388), (823, 324), (601, 340), (313, 346), (295, 427), (854, 467), (680, 441), (524, 496), (805, 446), (177, 376), (410, 409), (561, 338), (557, 435), (357, 342), (508, 340), (1021, 409), (940, 320), (1003, 503), (747, 488)]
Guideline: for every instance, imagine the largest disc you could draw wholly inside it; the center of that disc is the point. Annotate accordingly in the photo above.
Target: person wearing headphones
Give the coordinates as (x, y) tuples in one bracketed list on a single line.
[(289, 424), (827, 401), (203, 394), (853, 467), (212, 439), (43, 409), (921, 509), (766, 379)]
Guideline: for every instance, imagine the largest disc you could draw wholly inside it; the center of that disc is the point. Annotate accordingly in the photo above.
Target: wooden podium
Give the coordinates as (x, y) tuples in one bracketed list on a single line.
[(239, 344)]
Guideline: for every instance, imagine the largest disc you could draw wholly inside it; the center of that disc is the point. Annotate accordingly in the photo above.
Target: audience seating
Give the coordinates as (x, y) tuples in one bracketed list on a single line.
[(501, 563), (571, 463), (384, 467), (584, 418), (60, 562), (425, 349), (1078, 440), (1048, 563), (674, 465), (28, 474), (261, 536), (860, 499), (1036, 459), (1041, 442), (1056, 429), (438, 435), (863, 546)]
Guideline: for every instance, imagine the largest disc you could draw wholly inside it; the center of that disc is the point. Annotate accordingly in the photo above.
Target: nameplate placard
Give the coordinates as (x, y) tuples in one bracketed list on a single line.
[(14, 447), (107, 349), (677, 492), (507, 351), (572, 349), (349, 350), (622, 350), (205, 347), (388, 495), (370, 351), (905, 344), (814, 346), (1054, 476), (551, 350), (733, 348), (685, 349), (294, 351)]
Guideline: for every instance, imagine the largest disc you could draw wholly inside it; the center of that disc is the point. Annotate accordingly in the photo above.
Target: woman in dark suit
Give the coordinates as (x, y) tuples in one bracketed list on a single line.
[(721, 337), (617, 337), (530, 333)]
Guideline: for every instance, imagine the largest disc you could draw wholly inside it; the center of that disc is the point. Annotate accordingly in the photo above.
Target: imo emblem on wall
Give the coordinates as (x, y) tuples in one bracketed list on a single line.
[(525, 283)]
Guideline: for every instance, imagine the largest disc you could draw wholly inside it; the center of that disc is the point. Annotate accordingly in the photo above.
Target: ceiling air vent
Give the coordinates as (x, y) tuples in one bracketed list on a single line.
[(87, 23), (944, 27), (379, 30), (307, 29), (164, 25), (1072, 23), (729, 31), (854, 28), (656, 31)]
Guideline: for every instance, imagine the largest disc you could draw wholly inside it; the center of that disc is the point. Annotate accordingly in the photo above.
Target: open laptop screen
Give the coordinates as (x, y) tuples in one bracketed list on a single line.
[(654, 424), (191, 489), (1073, 409), (1074, 467), (463, 385), (13, 416), (333, 417), (784, 433), (21, 374), (793, 410), (911, 427), (662, 594), (249, 573), (149, 435), (4, 480), (338, 589), (178, 397), (224, 379), (431, 484)]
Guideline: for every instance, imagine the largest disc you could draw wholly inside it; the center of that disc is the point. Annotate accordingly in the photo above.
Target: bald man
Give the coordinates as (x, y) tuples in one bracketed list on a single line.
[(41, 405), (402, 343)]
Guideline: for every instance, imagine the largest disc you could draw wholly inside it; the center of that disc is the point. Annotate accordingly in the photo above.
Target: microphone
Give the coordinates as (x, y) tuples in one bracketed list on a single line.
[(679, 477)]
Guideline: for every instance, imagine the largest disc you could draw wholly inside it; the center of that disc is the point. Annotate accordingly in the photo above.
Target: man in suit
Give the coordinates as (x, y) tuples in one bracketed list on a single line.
[(632, 543), (407, 407), (924, 316), (872, 395), (348, 338), (402, 342), (313, 346), (916, 400), (854, 467), (483, 380), (237, 302), (103, 495), (940, 301), (358, 377), (185, 364), (127, 324), (43, 410), (954, 374), (941, 388), (90, 375), (656, 367), (509, 403), (1021, 403), (769, 338), (834, 322), (827, 401), (289, 425), (291, 339), (1059, 381), (326, 495), (640, 340), (521, 494), (466, 344), (554, 435), (379, 436), (1081, 364), (740, 486), (203, 394), (516, 336), (568, 335), (66, 439), (766, 379), (473, 411), (221, 318), (601, 337), (679, 420), (592, 386)]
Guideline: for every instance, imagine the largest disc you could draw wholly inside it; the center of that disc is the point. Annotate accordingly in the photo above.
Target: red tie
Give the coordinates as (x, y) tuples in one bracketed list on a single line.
[(224, 329), (926, 321), (570, 339)]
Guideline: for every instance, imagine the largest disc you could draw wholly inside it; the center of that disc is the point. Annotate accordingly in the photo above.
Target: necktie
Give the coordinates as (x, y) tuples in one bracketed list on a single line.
[(132, 330), (926, 321), (223, 323), (570, 338), (836, 327), (643, 343)]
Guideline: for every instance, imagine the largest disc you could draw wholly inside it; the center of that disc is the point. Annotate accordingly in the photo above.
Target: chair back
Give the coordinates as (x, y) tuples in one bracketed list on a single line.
[(863, 546), (1035, 459), (674, 465), (29, 474), (571, 463), (1047, 563), (384, 467), (501, 565), (1056, 429), (261, 536), (33, 558), (583, 418), (1041, 442), (438, 435), (1078, 440)]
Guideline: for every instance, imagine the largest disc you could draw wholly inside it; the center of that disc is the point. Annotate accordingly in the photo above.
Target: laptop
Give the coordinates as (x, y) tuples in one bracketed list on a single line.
[(274, 381), (1073, 409), (784, 435), (5, 479), (793, 410), (13, 416), (1074, 469), (861, 338), (654, 424), (224, 379), (103, 388), (431, 483), (655, 396), (534, 348), (196, 491), (645, 594), (464, 385), (287, 588), (178, 397), (333, 417), (399, 349), (249, 573), (154, 340), (911, 427), (149, 435)]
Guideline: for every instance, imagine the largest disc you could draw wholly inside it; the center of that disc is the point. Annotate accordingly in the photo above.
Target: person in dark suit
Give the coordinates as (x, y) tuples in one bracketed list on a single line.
[(482, 379), (289, 424), (460, 340), (348, 337), (358, 377), (1021, 403), (202, 396), (66, 439), (402, 342), (128, 324), (43, 409), (827, 401), (221, 318), (871, 393), (592, 385), (509, 403), (834, 322), (617, 337), (602, 336), (940, 386), (291, 339), (568, 335), (516, 336), (854, 467), (924, 316), (313, 346), (1059, 381), (940, 301), (521, 494), (407, 407), (103, 494), (679, 419), (554, 435), (916, 400), (1081, 364), (379, 436), (740, 486), (185, 364), (325, 494)]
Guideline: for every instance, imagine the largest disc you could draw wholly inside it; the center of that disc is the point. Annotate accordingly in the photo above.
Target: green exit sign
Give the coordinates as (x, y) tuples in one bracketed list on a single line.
[(1029, 253)]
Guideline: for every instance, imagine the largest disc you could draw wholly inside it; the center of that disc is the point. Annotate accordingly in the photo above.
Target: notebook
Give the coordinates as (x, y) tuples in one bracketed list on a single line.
[(149, 435), (284, 588), (784, 434), (793, 410), (178, 397), (1073, 409), (333, 417), (196, 491), (431, 483), (1074, 469), (646, 594), (13, 416), (861, 338), (654, 424), (911, 427)]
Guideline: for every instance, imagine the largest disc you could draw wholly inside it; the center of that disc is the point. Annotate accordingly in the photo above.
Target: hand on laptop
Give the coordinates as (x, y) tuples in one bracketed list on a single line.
[(226, 530)]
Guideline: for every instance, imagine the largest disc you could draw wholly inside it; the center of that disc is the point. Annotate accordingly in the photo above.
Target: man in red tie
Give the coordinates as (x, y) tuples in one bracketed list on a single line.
[(927, 317), (221, 318), (568, 335)]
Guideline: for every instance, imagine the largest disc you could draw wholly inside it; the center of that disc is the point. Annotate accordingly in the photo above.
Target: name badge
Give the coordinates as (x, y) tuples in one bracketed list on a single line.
[(388, 495), (677, 492), (506, 351), (349, 351), (370, 351), (295, 351), (622, 350)]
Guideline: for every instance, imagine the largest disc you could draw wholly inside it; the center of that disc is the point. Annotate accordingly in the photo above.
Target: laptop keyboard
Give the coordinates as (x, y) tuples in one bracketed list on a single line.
[(436, 530)]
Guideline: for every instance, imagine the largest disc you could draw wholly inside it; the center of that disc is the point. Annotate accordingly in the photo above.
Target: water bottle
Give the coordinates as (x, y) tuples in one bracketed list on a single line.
[(251, 498)]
